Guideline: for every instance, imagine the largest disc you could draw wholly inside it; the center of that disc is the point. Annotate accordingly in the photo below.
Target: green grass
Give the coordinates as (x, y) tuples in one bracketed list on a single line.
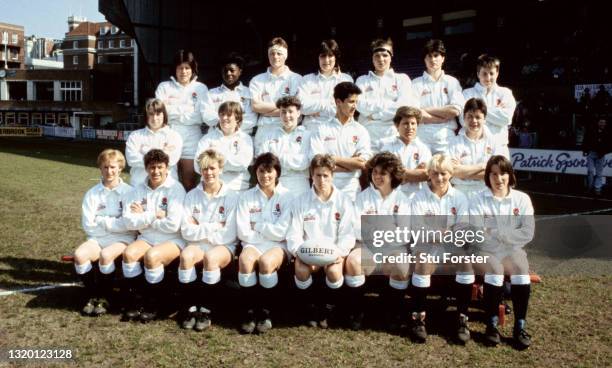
[(41, 188)]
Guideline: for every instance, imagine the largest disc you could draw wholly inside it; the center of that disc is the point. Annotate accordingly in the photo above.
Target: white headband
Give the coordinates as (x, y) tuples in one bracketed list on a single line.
[(279, 49)]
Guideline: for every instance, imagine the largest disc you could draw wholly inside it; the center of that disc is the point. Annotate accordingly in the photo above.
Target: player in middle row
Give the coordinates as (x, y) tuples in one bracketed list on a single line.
[(345, 139)]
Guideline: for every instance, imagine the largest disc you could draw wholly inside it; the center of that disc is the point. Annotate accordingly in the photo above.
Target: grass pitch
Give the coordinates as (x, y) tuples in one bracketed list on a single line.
[(41, 188)]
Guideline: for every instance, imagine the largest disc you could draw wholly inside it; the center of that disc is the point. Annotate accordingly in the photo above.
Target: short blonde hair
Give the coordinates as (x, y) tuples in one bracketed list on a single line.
[(208, 156), (440, 162), (110, 154)]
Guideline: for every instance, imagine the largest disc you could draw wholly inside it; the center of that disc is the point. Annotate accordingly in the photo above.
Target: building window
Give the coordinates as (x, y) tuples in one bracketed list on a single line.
[(71, 91), (111, 44), (103, 30), (122, 43), (100, 44), (36, 118), (5, 37), (62, 119), (114, 30), (1, 121), (24, 118), (132, 42), (75, 44), (9, 118), (49, 118), (15, 39), (100, 59), (75, 60)]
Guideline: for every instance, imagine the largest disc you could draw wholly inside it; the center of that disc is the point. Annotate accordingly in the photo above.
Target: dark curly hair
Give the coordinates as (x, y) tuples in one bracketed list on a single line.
[(156, 156), (388, 162)]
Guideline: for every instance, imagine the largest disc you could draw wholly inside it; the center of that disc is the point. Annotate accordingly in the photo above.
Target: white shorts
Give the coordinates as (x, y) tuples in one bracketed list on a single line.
[(262, 248), (153, 242), (207, 247), (191, 135), (108, 240)]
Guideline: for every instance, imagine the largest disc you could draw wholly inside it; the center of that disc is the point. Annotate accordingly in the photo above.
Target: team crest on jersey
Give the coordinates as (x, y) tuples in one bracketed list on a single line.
[(194, 97), (499, 102), (287, 90), (337, 216), (454, 211), (101, 206), (236, 146), (489, 150), (445, 90), (221, 210), (416, 156), (298, 139), (395, 209), (277, 210), (164, 204), (394, 88), (516, 211), (355, 139), (143, 202)]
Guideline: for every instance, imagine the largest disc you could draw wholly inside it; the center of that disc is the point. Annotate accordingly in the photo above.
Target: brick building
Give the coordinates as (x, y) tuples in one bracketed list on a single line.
[(12, 44)]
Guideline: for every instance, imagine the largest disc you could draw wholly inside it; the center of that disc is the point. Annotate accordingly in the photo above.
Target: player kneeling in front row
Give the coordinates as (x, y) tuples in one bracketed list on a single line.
[(379, 206), (262, 219), (209, 226), (439, 207), (107, 235), (506, 216), (154, 209), (321, 235)]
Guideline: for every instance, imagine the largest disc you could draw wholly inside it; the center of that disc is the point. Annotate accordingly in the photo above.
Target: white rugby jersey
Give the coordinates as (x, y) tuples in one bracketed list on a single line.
[(218, 95), (311, 218), (268, 87), (411, 155), (316, 93), (454, 205), (343, 140), (270, 216), (500, 108), (471, 152), (237, 149), (142, 141), (445, 91), (370, 202), (101, 214), (169, 197), (293, 151), (215, 214), (379, 100), (509, 220), (183, 103)]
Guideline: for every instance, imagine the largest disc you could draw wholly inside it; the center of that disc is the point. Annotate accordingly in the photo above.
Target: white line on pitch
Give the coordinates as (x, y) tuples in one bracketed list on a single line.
[(573, 214), (569, 196), (38, 288)]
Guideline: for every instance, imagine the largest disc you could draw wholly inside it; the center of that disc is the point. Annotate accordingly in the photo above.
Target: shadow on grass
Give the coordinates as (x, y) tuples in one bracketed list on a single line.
[(19, 272), (69, 151)]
